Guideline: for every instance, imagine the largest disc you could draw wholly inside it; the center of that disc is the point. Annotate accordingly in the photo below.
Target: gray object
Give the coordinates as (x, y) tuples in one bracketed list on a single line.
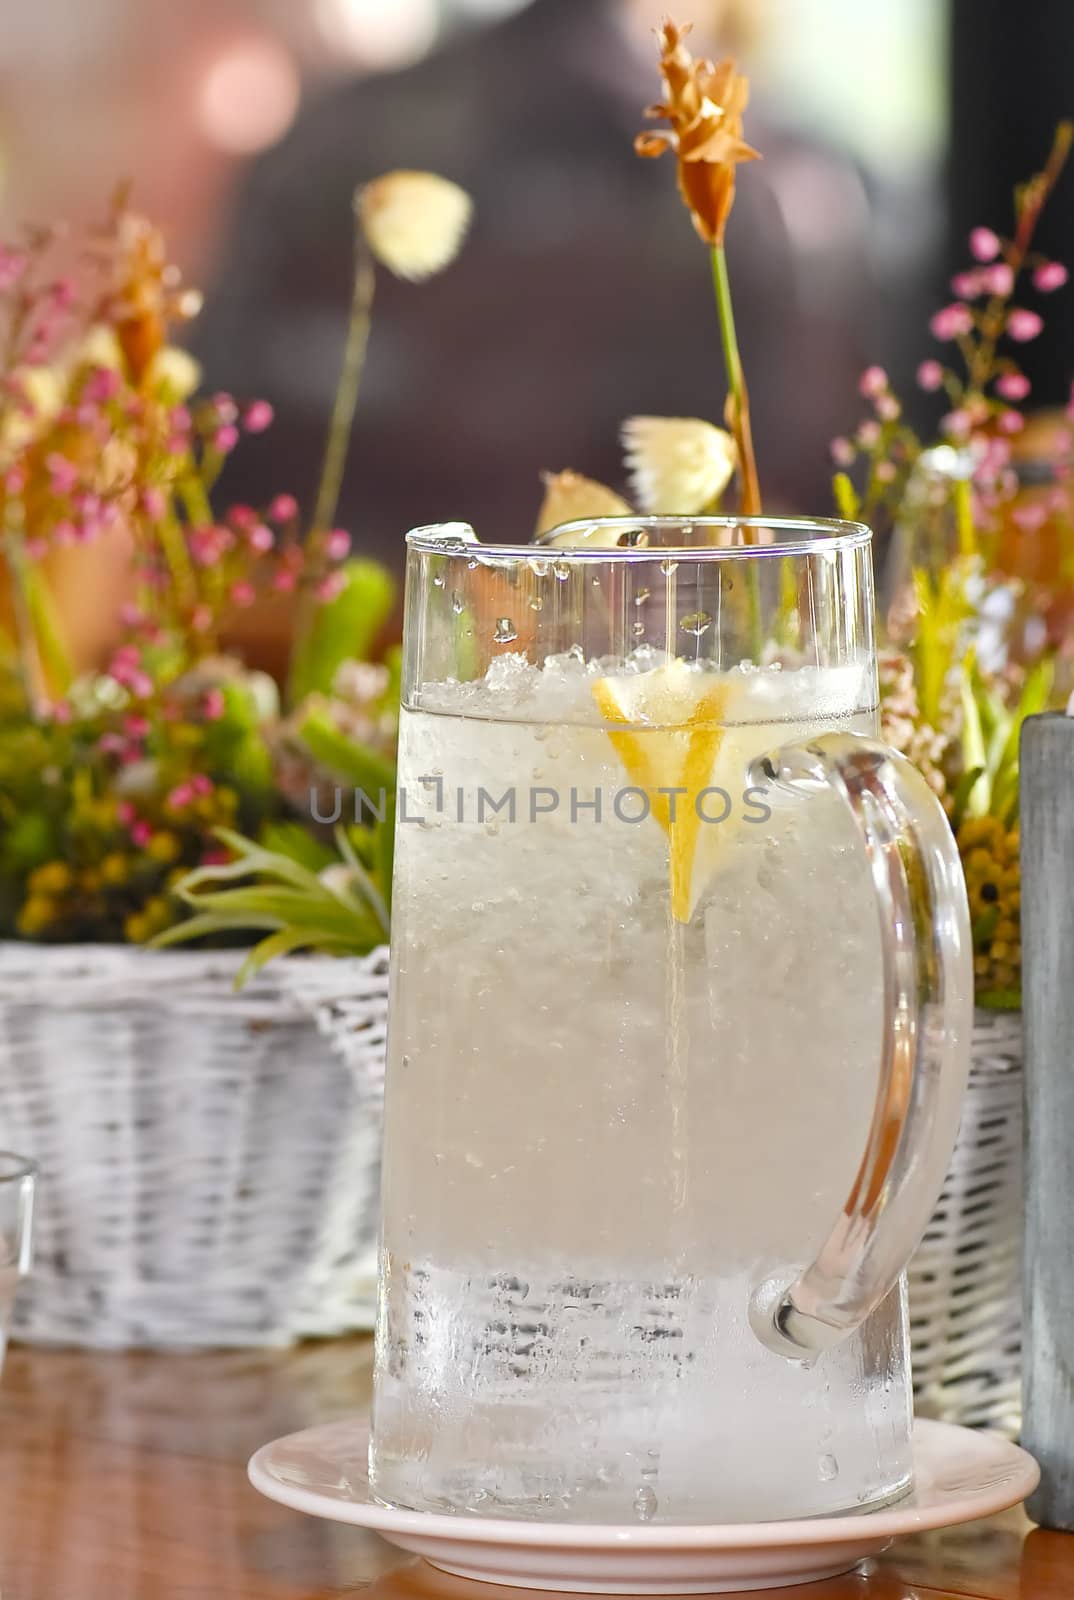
[(1047, 809)]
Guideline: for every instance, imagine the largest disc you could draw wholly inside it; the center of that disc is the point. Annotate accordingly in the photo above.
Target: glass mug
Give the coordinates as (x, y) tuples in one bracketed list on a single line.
[(679, 1022)]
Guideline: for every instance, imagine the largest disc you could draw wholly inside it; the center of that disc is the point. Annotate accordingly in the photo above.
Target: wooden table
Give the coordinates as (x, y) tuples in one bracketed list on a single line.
[(123, 1477)]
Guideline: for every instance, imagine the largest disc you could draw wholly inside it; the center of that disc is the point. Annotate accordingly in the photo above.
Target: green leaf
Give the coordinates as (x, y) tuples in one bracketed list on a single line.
[(343, 629), (292, 840), (357, 764), (847, 501), (963, 790), (974, 753), (1000, 1000)]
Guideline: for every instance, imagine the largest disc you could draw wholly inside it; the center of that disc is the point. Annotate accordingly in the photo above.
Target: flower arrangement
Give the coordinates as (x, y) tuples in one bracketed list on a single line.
[(173, 756), (960, 669)]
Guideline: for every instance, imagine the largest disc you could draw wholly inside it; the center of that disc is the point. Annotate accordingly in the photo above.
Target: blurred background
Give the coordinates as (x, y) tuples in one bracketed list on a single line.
[(582, 296)]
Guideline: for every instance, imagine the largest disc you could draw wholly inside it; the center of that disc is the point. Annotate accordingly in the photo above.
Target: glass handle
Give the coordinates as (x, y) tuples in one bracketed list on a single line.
[(928, 1014)]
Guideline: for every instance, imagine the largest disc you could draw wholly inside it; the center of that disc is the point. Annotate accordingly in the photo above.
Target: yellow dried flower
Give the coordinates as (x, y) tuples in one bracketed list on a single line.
[(678, 465), (704, 106), (414, 222), (569, 497)]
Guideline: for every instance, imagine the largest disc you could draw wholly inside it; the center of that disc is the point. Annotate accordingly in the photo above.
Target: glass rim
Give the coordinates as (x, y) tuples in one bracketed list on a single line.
[(15, 1168), (820, 534)]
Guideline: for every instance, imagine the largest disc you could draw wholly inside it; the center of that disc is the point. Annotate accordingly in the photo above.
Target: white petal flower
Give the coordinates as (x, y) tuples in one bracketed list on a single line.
[(569, 497), (679, 466), (414, 222)]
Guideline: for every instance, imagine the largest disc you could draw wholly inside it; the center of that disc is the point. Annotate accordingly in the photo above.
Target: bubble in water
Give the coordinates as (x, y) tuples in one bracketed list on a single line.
[(505, 630), (638, 629), (457, 602), (438, 580), (536, 604), (667, 567), (645, 1503), (472, 564), (539, 566), (641, 596), (562, 571), (828, 1467), (697, 623)]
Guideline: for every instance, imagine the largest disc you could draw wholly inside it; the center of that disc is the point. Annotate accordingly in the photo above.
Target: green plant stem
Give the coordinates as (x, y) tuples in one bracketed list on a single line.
[(29, 659), (339, 428), (736, 383), (350, 383)]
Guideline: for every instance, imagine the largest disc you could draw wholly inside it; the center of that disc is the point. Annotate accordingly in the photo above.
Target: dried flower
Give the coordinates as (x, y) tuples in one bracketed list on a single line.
[(569, 497), (704, 106), (414, 222), (678, 465)]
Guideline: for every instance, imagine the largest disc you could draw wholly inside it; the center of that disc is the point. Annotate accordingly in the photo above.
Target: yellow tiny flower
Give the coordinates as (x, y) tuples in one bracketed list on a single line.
[(414, 222), (138, 928), (36, 914), (55, 877), (163, 847), (115, 869)]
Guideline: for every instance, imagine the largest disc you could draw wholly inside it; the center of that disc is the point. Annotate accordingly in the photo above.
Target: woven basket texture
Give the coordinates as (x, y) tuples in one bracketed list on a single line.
[(209, 1160), (966, 1278)]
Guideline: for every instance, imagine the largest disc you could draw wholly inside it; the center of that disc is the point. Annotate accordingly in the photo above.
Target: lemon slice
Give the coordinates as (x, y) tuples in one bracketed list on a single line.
[(686, 712)]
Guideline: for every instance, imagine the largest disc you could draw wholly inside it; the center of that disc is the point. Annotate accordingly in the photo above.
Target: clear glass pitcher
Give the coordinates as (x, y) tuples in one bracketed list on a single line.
[(681, 1000)]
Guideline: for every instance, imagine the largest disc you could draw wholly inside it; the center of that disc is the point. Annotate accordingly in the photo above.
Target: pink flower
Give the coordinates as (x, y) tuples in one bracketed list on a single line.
[(154, 503), (226, 438), (15, 480), (984, 244), (125, 813), (261, 538), (998, 279), (1013, 386), (331, 587), (283, 508), (135, 727), (284, 582), (1049, 275), (224, 406), (140, 685), (843, 452), (967, 285), (869, 435), (63, 293), (1030, 518), (873, 381), (36, 549), (65, 534), (242, 517), (177, 444), (957, 424), (63, 474), (201, 784), (111, 744), (201, 619), (180, 797), (930, 376), (131, 616), (12, 266), (61, 712), (242, 593), (888, 408), (215, 705), (1011, 422), (179, 418), (338, 544), (257, 416), (141, 833), (102, 385), (1023, 325), (885, 471), (952, 322)]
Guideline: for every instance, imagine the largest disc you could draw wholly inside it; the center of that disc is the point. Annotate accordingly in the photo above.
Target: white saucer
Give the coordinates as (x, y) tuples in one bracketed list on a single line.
[(959, 1476)]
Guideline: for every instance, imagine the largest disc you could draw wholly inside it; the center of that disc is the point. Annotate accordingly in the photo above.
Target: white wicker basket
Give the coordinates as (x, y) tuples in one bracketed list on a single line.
[(209, 1160), (966, 1278)]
